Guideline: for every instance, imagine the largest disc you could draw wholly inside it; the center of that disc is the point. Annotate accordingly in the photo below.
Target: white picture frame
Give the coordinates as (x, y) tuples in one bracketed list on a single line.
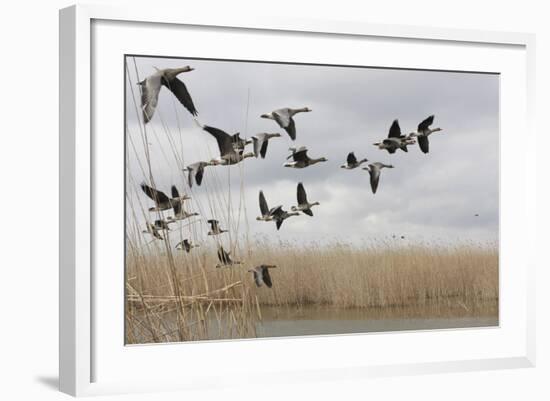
[(80, 344)]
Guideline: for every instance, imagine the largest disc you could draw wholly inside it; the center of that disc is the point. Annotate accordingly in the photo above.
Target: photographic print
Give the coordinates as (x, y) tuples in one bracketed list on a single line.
[(269, 199)]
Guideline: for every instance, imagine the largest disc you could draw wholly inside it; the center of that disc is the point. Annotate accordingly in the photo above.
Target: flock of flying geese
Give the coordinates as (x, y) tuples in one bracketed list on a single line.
[(232, 151)]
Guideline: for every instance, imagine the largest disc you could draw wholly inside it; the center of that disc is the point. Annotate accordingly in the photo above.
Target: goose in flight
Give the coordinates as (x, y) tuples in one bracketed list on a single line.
[(180, 214), (303, 205), (301, 159), (151, 229), (215, 228), (225, 259), (162, 225), (280, 215), (261, 141), (196, 170), (186, 246), (162, 201), (352, 162), (374, 171), (228, 154), (423, 132), (395, 140), (264, 209), (238, 142), (283, 117), (150, 89), (261, 275)]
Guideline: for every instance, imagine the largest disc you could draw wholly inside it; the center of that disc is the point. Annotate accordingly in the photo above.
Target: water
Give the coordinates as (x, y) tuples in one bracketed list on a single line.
[(277, 322)]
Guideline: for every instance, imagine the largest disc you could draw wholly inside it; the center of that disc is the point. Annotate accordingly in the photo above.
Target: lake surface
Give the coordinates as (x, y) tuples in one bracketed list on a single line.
[(277, 322)]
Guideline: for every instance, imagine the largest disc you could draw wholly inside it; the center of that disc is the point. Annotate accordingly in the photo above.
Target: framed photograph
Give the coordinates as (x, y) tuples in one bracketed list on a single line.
[(269, 197)]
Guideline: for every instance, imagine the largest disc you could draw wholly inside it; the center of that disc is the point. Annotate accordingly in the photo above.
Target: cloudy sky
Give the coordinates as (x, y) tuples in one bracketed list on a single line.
[(426, 197)]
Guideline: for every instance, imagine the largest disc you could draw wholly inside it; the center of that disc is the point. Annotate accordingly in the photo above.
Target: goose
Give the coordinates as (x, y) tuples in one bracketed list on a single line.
[(301, 159), (180, 215), (196, 170), (423, 132), (162, 225), (225, 259), (238, 142), (162, 201), (280, 215), (264, 209), (228, 154), (261, 275), (395, 140), (151, 229), (303, 205), (261, 141), (352, 162), (186, 246), (283, 117), (150, 89), (374, 171), (215, 228)]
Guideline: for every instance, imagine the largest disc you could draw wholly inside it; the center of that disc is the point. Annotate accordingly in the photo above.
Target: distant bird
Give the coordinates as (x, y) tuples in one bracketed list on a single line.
[(162, 225), (186, 246), (228, 152), (423, 132), (395, 140), (264, 209), (261, 275), (162, 201), (151, 229), (225, 259), (303, 205), (476, 215), (352, 162), (150, 89), (196, 170), (301, 159), (280, 215), (283, 117), (374, 171), (215, 228), (261, 141)]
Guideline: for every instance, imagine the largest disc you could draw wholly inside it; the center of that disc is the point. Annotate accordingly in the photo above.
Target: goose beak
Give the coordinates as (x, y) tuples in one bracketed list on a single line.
[(264, 116)]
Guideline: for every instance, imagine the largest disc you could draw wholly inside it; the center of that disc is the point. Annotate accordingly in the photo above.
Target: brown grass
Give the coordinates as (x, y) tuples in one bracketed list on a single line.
[(341, 276)]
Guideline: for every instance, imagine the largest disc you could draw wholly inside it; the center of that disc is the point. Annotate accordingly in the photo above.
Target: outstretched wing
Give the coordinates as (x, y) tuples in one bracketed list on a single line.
[(150, 88), (225, 141), (423, 143), (264, 209), (395, 130), (374, 178), (301, 194), (278, 223), (282, 116), (199, 174), (175, 193), (156, 196), (300, 155), (351, 159), (178, 88), (425, 125), (263, 150), (258, 278), (291, 129), (309, 212), (266, 277)]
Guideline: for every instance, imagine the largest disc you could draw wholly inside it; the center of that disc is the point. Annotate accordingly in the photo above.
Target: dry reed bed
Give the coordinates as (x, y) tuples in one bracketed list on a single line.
[(342, 276)]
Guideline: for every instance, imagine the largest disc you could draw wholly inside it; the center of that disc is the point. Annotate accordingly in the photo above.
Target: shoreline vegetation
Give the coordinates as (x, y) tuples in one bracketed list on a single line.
[(182, 297)]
